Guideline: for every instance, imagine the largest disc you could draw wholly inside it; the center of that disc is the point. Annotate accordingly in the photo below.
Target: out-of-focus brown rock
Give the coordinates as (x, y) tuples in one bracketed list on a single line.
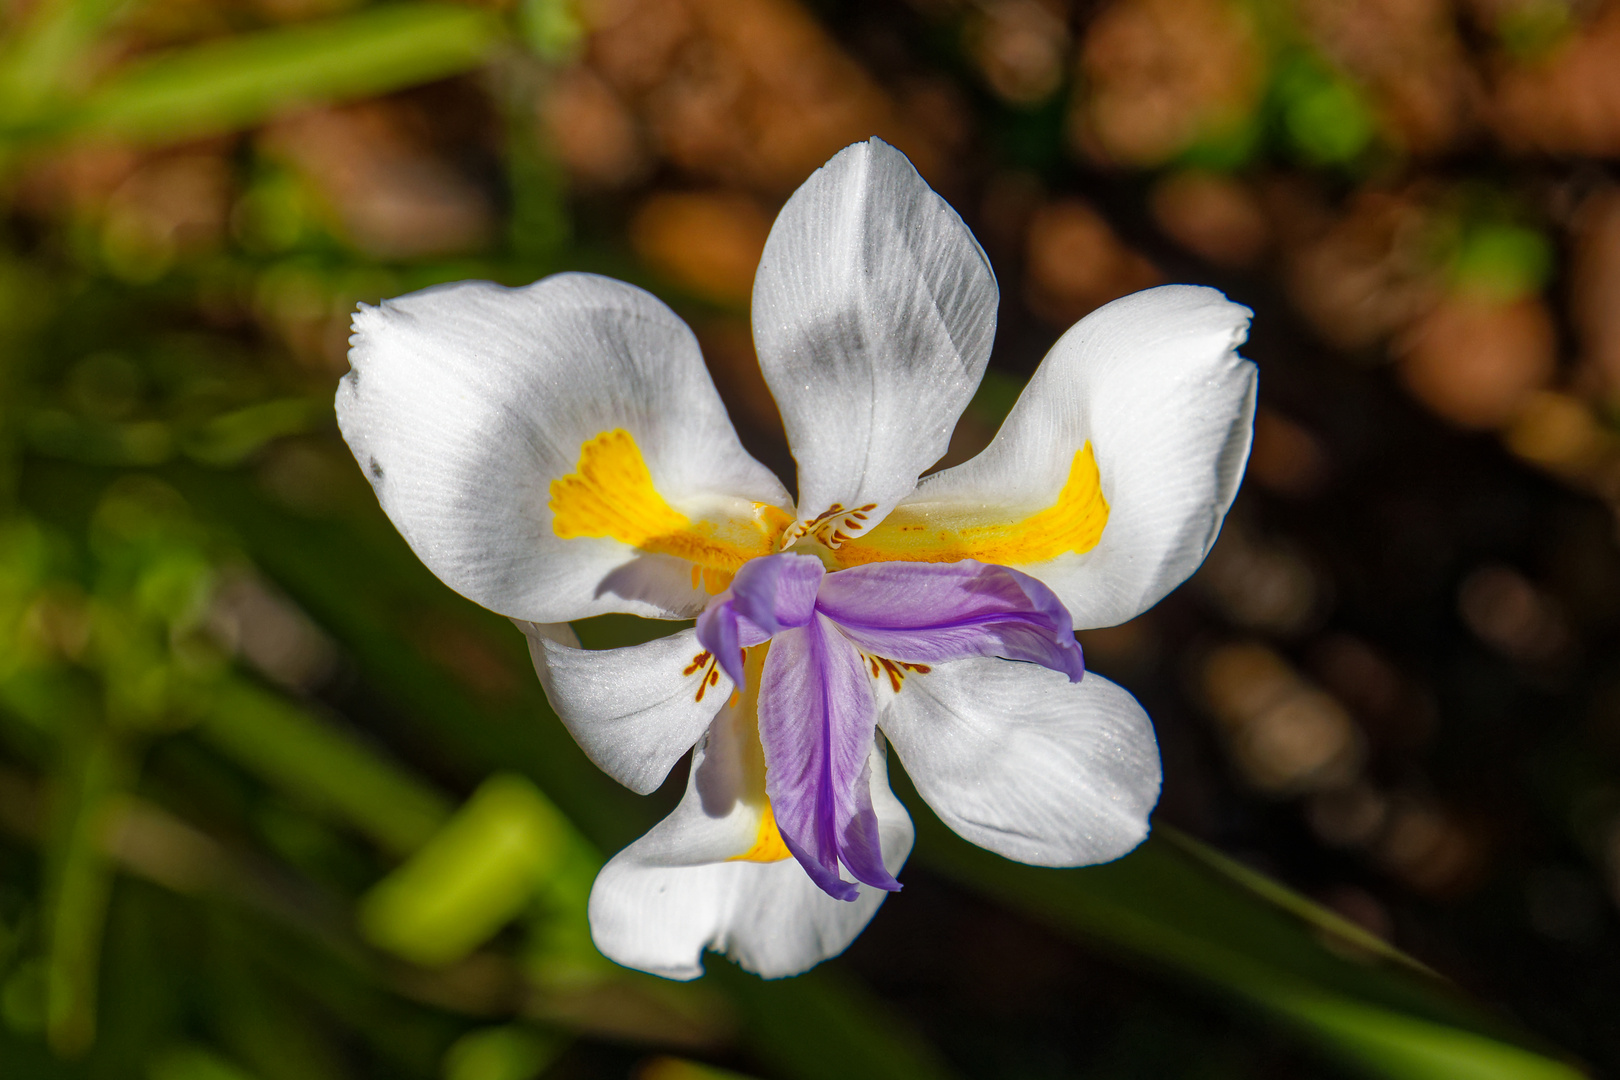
[(1124, 650), (1358, 906), (748, 92), (310, 318), (389, 195), (1161, 74), (1477, 362), (1011, 198), (1430, 850), (970, 436), (1074, 262), (1216, 217), (1260, 583), (249, 617), (145, 208), (1286, 735), (1370, 272), (300, 10), (635, 43), (172, 206), (1560, 433), (78, 179), (1406, 54), (935, 124), (1514, 617), (709, 242), (1595, 289), (728, 349), (1358, 674), (1566, 101), (1020, 47), (593, 132), (1286, 458), (1350, 816), (1395, 712), (468, 654), (151, 26)]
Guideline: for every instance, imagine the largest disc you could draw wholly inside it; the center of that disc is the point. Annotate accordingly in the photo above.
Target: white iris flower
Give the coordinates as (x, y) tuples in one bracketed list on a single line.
[(558, 451)]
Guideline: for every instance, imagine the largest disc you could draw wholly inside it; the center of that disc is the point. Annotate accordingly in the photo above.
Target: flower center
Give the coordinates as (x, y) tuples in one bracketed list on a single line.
[(834, 639)]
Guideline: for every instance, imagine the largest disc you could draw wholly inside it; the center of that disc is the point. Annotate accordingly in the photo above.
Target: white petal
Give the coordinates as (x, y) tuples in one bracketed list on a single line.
[(874, 310), (466, 401), (634, 711), (664, 899), (1018, 759), (1155, 383)]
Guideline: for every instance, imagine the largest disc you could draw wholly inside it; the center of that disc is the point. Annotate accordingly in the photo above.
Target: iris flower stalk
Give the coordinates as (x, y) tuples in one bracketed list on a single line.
[(558, 451)]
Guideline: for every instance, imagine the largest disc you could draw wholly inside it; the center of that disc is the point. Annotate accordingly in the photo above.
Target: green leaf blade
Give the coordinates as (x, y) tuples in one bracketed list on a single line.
[(235, 83)]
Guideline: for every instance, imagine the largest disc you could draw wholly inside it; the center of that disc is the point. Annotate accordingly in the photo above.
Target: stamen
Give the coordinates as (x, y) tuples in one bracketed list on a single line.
[(894, 669), (824, 526), (704, 662)]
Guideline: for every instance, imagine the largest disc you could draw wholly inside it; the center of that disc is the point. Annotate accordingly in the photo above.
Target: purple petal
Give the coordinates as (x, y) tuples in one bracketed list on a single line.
[(930, 613), (817, 721), (726, 634), (778, 592), (767, 596)]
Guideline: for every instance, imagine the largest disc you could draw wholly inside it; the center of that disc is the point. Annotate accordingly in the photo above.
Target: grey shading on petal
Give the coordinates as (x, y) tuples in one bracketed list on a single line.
[(874, 311)]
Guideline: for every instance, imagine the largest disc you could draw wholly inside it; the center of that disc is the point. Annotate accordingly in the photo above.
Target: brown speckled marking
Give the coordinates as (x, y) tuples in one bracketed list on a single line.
[(703, 662), (894, 669)]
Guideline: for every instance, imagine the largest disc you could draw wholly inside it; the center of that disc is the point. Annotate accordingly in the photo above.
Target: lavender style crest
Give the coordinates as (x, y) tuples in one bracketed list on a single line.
[(817, 705), (558, 451)]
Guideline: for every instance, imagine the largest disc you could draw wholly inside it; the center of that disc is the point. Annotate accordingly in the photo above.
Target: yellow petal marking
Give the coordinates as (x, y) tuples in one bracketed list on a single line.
[(742, 714), (768, 846), (611, 493), (948, 532)]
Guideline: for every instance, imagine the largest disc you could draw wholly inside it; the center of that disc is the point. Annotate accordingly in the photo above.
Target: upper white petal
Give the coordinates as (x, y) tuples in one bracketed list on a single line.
[(1018, 759), (874, 310), (466, 401), (634, 711), (1155, 383), (664, 899)]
